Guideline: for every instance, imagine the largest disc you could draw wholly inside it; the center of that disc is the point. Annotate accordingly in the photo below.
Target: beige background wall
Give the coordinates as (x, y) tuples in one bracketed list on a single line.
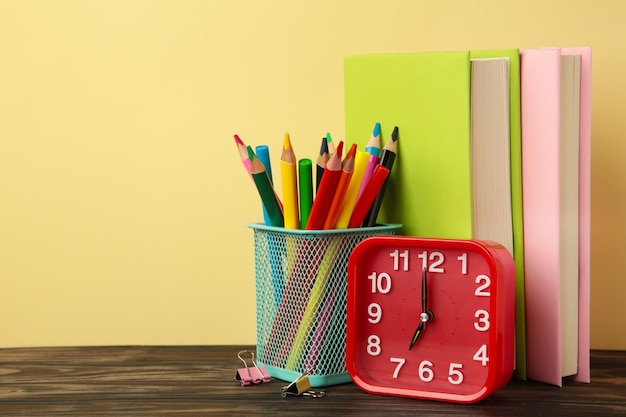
[(123, 205)]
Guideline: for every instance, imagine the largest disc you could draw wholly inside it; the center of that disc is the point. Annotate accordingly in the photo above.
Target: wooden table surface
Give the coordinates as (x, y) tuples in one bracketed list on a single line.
[(199, 381)]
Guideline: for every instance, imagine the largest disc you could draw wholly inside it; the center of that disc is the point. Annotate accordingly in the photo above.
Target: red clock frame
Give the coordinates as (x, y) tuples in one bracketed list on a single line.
[(465, 353)]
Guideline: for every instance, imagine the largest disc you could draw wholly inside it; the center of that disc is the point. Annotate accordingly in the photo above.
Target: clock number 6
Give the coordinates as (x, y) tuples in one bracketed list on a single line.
[(425, 372)]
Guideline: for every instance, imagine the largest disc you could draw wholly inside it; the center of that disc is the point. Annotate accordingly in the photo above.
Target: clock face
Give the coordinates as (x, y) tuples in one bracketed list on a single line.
[(429, 318)]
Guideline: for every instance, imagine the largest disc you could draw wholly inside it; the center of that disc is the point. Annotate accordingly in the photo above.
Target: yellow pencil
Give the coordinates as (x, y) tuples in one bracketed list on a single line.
[(288, 172)]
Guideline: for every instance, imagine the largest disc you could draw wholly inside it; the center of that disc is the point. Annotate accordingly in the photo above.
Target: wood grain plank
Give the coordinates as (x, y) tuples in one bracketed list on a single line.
[(199, 381)]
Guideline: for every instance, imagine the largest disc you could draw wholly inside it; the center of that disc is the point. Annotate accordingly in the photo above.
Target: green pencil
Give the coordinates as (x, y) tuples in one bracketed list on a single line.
[(266, 190)]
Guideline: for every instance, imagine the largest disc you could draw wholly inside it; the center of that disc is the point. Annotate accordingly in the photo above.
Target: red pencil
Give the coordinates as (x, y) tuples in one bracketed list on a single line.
[(342, 186), (324, 195), (370, 192)]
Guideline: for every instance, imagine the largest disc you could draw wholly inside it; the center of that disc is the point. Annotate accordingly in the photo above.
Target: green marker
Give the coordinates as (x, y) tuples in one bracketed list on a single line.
[(305, 180)]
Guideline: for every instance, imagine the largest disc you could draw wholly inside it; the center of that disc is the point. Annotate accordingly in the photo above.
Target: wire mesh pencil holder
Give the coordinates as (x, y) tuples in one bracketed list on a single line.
[(301, 280)]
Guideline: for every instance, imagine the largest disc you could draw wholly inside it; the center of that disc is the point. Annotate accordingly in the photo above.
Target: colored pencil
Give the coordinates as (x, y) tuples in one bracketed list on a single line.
[(331, 145), (304, 329), (276, 261), (373, 145), (266, 190), (373, 148), (364, 203), (303, 268), (243, 153), (325, 193), (340, 191), (288, 171), (360, 162), (245, 160), (305, 180), (276, 258), (263, 153), (322, 160), (321, 325), (387, 158)]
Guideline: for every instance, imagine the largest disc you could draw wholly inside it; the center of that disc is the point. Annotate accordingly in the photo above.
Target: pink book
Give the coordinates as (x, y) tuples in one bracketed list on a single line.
[(584, 212), (541, 161), (540, 106)]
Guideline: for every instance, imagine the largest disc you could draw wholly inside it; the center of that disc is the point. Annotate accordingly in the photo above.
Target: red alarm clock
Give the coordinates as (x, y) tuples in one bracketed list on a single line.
[(430, 318)]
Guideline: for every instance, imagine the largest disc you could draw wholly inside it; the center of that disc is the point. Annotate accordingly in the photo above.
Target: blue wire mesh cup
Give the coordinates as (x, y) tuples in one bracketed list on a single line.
[(301, 280)]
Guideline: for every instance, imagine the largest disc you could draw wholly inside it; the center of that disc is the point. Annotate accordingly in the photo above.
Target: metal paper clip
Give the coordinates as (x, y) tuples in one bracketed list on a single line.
[(248, 375), (302, 386)]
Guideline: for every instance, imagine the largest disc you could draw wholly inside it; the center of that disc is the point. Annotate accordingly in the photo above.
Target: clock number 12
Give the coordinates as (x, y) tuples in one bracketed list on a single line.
[(436, 259)]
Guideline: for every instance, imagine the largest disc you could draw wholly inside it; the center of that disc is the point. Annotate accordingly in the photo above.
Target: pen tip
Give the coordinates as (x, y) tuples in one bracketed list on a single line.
[(394, 134), (328, 137), (237, 140), (376, 131)]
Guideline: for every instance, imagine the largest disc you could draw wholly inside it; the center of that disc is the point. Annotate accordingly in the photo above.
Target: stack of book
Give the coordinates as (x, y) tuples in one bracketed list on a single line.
[(496, 146)]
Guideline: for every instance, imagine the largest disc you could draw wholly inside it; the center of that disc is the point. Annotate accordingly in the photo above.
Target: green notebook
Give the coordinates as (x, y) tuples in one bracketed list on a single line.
[(428, 96)]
